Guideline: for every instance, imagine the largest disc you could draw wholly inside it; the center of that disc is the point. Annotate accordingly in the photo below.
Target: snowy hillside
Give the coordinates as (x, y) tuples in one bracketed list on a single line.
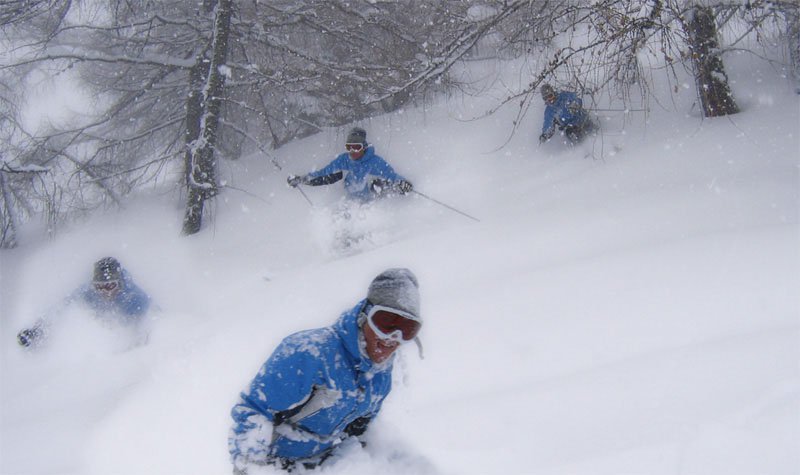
[(629, 306)]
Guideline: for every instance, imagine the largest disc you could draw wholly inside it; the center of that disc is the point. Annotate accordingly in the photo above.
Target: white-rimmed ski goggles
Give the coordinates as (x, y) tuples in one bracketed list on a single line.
[(106, 286), (392, 324)]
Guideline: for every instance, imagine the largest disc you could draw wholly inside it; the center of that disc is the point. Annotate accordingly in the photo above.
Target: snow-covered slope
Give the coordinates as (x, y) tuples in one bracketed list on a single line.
[(630, 306)]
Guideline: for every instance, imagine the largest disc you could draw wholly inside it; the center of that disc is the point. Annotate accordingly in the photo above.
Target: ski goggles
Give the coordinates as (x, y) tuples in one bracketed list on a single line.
[(392, 324), (109, 286), (354, 147)]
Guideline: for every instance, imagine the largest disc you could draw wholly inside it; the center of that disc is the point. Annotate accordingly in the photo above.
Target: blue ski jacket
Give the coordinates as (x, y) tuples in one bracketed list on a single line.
[(128, 306), (559, 113), (312, 386), (358, 174)]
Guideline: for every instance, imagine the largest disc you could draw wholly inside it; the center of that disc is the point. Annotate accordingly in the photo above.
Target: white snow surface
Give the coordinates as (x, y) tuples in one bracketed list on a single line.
[(630, 306)]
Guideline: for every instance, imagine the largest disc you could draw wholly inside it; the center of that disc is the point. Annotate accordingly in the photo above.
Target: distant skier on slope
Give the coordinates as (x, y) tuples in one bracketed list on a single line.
[(564, 111), (366, 175), (112, 295), (323, 386)]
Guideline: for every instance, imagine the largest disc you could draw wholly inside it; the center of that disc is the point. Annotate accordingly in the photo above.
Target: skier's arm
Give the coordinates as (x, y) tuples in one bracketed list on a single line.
[(284, 383), (548, 125), (389, 181), (381, 187), (575, 105), (34, 335), (331, 173), (135, 301), (323, 179), (358, 427)]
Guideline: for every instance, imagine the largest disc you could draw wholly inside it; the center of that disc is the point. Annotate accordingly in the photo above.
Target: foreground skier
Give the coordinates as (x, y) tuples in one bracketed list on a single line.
[(323, 386)]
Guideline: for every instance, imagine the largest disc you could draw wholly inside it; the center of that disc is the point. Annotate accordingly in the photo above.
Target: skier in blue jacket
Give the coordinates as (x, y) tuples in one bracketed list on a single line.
[(320, 387), (564, 111), (366, 175), (112, 295)]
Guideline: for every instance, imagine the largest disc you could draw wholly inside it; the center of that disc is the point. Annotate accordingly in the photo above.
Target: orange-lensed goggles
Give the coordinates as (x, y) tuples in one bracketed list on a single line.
[(109, 286), (392, 324)]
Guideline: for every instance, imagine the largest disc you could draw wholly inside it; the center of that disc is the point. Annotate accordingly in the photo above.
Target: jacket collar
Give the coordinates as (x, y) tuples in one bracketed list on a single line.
[(348, 329)]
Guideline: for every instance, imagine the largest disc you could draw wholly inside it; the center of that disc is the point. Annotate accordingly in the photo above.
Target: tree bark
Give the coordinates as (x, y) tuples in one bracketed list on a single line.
[(794, 47), (202, 115), (712, 82), (8, 233)]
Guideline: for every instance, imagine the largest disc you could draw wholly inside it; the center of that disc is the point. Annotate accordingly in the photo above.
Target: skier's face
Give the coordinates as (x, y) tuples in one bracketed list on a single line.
[(355, 150), (378, 350), (550, 99)]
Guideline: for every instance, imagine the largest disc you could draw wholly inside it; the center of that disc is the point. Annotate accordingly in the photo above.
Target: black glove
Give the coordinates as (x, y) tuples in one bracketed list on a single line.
[(378, 186), (29, 336), (403, 187), (357, 427), (543, 138), (294, 180)]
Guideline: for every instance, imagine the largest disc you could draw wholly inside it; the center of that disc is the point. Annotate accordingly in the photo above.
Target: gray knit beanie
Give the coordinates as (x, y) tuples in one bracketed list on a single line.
[(398, 289), (547, 90), (107, 269), (357, 135)]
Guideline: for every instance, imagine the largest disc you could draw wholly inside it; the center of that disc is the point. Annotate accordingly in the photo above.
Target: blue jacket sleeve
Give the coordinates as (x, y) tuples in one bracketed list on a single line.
[(549, 117), (386, 171), (132, 301), (135, 301), (285, 381), (52, 313), (335, 166)]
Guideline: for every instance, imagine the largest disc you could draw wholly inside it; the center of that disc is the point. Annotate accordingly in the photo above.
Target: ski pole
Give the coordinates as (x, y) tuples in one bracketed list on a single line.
[(446, 206), (617, 110), (304, 195)]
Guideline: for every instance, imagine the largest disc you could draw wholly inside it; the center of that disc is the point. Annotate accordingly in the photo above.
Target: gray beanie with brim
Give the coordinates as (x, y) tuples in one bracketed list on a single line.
[(397, 289)]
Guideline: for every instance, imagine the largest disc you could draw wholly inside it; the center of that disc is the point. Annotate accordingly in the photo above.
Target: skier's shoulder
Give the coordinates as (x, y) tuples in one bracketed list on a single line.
[(375, 161), (132, 288), (339, 162), (568, 95), (84, 292), (312, 342)]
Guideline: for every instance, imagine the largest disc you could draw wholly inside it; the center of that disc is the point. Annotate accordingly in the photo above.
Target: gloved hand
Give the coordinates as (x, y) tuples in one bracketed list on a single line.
[(28, 336), (378, 186), (574, 107), (403, 187), (544, 138), (294, 180), (357, 427)]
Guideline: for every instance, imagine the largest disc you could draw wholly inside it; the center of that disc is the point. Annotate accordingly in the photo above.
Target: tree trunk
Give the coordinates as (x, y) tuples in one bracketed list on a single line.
[(194, 114), (794, 47), (202, 116), (8, 232), (712, 82)]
